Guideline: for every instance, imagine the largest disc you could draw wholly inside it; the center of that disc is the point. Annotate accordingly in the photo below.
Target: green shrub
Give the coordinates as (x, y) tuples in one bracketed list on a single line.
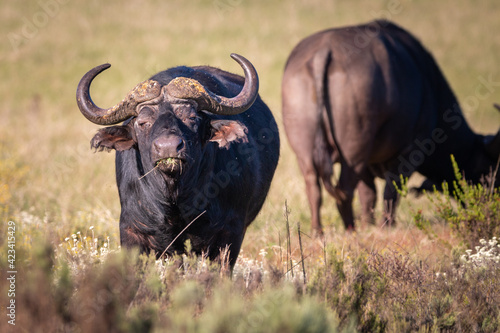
[(474, 213)]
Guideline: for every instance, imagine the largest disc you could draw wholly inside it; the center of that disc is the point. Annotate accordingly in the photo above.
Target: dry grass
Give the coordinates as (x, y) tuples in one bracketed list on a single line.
[(53, 185)]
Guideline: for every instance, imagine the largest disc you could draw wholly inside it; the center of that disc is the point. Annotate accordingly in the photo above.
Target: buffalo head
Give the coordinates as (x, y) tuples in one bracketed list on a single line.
[(169, 123)]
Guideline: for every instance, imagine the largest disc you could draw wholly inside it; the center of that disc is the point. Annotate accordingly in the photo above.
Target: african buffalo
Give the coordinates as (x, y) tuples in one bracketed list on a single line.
[(373, 99), (194, 158)]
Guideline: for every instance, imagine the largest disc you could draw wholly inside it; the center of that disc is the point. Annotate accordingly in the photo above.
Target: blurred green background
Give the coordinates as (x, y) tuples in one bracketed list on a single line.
[(58, 192), (46, 165)]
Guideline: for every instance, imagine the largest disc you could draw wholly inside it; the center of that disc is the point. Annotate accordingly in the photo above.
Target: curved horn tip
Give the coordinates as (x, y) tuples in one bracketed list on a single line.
[(497, 106), (248, 68), (240, 59), (91, 111), (236, 56), (190, 89), (105, 66), (100, 68)]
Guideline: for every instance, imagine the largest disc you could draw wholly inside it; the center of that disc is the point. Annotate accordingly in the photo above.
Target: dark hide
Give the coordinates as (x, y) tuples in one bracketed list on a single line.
[(216, 168), (373, 99)]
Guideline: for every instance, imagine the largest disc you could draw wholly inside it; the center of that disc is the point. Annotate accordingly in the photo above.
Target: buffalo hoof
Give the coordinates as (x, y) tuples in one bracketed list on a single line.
[(318, 233), (387, 222)]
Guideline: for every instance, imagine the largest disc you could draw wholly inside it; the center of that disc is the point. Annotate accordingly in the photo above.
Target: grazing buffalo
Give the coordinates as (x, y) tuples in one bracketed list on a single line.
[(194, 158), (373, 99)]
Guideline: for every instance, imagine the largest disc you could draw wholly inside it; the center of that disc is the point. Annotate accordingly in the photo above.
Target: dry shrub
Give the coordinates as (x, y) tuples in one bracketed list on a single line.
[(459, 297)]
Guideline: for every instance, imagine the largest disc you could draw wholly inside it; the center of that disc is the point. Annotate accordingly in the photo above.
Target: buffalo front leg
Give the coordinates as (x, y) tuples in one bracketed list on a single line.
[(391, 199), (227, 246)]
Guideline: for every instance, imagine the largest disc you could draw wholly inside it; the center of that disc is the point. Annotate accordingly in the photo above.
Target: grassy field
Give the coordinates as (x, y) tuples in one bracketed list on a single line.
[(52, 186)]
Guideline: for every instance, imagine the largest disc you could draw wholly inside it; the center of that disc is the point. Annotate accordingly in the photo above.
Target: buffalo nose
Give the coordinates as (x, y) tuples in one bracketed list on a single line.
[(167, 146)]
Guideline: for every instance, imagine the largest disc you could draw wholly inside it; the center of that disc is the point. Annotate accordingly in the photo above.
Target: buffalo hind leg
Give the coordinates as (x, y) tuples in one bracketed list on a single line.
[(313, 190), (367, 198), (345, 189)]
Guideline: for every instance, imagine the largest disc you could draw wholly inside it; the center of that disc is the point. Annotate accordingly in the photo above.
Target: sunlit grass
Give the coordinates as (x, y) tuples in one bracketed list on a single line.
[(40, 77), (53, 186)]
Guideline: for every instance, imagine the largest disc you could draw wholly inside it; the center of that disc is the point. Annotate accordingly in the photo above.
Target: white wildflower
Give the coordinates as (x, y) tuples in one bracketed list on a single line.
[(487, 253)]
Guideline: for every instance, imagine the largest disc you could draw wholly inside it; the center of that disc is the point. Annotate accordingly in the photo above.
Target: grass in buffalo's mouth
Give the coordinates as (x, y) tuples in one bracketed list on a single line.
[(170, 162)]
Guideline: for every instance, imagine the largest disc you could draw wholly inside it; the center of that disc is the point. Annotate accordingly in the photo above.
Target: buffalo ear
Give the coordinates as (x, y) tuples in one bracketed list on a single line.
[(114, 137), (226, 131)]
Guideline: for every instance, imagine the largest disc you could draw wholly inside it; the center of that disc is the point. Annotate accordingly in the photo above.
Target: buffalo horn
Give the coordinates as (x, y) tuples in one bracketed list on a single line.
[(186, 88), (144, 91)]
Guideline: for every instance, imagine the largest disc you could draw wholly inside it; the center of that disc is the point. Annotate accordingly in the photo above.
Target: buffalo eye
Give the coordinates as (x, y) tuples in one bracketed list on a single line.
[(143, 124), (192, 121), (193, 118), (144, 121)]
